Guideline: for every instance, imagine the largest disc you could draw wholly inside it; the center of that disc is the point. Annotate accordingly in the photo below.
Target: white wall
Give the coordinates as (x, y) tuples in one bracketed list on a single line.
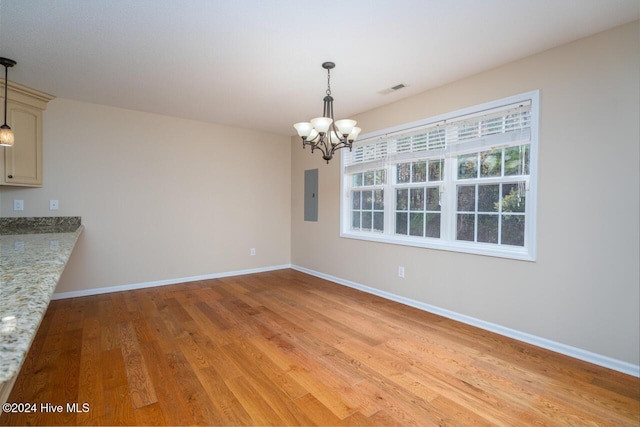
[(583, 290), (160, 197)]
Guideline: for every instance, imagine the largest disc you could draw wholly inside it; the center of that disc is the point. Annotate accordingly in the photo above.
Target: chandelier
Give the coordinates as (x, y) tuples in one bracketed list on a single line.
[(325, 134)]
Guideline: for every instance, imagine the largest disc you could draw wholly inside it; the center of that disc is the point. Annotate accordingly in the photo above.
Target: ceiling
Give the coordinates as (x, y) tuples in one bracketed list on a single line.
[(256, 64)]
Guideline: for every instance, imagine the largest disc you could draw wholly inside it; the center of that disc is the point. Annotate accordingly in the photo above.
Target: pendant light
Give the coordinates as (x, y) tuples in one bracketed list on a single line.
[(6, 134), (323, 133)]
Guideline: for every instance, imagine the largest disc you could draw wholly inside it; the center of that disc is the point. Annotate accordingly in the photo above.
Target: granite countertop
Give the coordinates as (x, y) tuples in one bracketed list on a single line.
[(33, 254), (39, 225)]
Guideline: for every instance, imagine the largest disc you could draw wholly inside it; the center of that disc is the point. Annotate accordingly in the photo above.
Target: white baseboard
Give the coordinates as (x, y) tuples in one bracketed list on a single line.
[(577, 353), (98, 291)]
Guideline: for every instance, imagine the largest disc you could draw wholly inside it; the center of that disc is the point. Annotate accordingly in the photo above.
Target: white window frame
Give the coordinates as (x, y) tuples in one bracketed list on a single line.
[(447, 239)]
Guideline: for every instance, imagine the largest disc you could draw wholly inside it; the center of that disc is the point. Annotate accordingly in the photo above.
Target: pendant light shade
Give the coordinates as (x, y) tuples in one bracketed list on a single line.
[(6, 134)]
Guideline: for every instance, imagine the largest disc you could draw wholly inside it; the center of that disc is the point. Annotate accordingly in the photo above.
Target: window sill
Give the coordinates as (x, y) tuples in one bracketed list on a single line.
[(485, 249)]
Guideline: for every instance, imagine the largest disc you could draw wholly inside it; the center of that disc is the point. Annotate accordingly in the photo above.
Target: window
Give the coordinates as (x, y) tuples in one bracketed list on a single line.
[(367, 201), (463, 181), (417, 191)]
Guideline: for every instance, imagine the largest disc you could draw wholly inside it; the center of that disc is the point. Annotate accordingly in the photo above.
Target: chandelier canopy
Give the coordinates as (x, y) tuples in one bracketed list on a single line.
[(324, 133)]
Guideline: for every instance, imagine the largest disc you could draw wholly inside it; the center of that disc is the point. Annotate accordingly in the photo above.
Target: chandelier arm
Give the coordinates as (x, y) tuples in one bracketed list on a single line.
[(334, 129), (322, 146), (329, 149), (327, 107), (328, 155), (340, 137), (328, 112)]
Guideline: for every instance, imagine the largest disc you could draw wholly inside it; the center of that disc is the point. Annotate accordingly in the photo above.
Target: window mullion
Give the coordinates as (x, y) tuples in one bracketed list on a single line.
[(389, 201), (476, 218), (448, 206), (500, 213)]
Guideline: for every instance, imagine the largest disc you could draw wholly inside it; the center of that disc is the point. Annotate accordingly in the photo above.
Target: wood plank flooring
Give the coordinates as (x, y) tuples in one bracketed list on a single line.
[(286, 348)]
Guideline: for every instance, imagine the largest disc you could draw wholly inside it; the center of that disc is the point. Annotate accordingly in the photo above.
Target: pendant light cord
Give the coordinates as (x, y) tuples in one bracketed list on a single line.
[(6, 84)]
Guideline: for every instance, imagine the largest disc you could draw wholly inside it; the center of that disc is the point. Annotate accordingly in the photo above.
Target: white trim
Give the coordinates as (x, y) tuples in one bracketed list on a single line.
[(567, 350), (134, 286), (487, 249)]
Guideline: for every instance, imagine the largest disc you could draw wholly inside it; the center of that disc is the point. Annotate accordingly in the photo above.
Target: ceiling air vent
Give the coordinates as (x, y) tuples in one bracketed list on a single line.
[(392, 89)]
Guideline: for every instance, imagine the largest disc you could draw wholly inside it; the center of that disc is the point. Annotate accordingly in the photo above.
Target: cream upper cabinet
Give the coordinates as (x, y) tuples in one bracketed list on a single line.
[(21, 165)]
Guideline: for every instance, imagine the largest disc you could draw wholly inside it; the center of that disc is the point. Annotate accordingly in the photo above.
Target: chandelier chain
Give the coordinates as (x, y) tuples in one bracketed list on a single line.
[(328, 82)]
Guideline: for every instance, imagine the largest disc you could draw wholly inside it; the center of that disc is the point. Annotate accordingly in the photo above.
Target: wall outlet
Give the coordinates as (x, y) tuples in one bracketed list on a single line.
[(401, 272), (253, 251), (53, 205), (18, 205)]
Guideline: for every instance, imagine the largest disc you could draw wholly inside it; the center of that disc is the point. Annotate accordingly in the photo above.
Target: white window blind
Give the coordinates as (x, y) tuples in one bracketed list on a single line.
[(498, 127)]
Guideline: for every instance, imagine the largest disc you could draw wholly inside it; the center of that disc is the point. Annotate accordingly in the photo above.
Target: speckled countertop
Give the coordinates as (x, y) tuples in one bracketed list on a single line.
[(32, 259)]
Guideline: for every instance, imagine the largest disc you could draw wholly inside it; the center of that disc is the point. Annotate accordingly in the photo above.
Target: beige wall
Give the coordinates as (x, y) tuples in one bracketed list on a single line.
[(160, 197), (583, 290), (165, 198)]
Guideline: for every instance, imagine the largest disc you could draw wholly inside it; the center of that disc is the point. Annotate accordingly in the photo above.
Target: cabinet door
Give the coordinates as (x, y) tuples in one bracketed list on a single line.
[(23, 161)]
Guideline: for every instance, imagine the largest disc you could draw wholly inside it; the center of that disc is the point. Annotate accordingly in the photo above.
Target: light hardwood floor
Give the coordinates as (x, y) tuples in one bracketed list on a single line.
[(286, 348)]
